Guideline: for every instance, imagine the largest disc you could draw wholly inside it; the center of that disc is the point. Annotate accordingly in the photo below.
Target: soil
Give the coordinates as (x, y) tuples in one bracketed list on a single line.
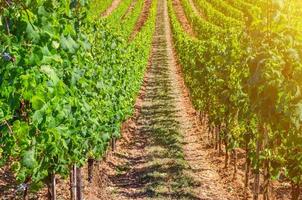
[(7, 183), (142, 18), (111, 8), (163, 156), (195, 9), (280, 190), (182, 17), (163, 152), (129, 10)]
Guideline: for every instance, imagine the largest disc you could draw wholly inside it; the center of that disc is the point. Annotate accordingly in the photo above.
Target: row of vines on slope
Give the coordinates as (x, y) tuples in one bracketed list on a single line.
[(68, 82), (99, 7), (245, 76)]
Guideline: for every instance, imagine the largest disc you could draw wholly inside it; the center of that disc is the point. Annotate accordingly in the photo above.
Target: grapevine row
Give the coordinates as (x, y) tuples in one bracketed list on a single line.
[(246, 84), (216, 17), (70, 83), (200, 26), (99, 7), (226, 9)]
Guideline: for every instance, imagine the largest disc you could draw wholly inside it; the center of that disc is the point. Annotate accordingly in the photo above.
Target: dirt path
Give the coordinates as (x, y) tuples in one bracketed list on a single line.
[(195, 9), (195, 153), (182, 17), (130, 8), (163, 156), (113, 6), (151, 164), (142, 18)]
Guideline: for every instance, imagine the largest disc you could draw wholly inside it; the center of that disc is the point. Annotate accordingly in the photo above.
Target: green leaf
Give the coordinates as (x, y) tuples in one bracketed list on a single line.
[(69, 44), (105, 137), (50, 72), (32, 33), (38, 117), (37, 102), (29, 160), (1, 114), (55, 44)]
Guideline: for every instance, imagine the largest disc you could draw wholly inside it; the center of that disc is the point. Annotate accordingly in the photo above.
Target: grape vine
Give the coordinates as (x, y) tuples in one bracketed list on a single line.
[(246, 82), (69, 82)]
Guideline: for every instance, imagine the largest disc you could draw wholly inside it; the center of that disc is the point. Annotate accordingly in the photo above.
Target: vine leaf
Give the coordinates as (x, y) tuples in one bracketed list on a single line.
[(50, 73), (29, 160)]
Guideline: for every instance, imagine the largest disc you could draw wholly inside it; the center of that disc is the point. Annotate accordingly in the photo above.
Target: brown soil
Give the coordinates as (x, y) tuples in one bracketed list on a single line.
[(109, 10), (280, 190), (10, 190), (195, 9), (195, 154), (182, 17), (163, 153), (142, 18), (7, 183), (139, 155), (130, 8)]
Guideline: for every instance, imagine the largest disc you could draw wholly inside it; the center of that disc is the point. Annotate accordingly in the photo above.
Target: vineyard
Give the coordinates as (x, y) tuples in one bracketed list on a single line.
[(151, 99)]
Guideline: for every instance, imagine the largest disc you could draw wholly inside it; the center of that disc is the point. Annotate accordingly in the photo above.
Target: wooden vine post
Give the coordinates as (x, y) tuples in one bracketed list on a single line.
[(216, 137), (247, 163), (226, 141), (219, 139), (79, 183), (73, 183), (113, 143), (257, 173), (25, 193), (266, 166), (201, 117), (209, 134), (236, 118), (52, 195), (90, 169), (213, 135), (266, 184), (235, 163), (247, 170), (257, 170)]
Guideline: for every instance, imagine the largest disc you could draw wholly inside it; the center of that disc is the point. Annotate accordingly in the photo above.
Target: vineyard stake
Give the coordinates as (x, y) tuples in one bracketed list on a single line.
[(90, 170), (200, 117), (216, 137), (73, 183), (25, 194), (79, 183), (235, 163), (247, 165), (266, 184), (52, 187), (226, 158), (219, 140), (257, 171), (213, 135), (113, 140)]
